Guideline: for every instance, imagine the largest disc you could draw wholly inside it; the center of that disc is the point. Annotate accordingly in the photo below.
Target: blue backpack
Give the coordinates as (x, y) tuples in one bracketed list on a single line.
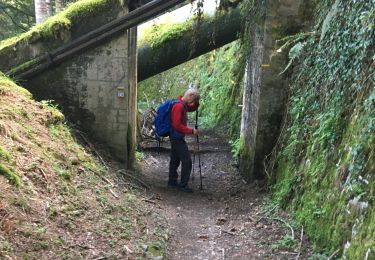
[(163, 119)]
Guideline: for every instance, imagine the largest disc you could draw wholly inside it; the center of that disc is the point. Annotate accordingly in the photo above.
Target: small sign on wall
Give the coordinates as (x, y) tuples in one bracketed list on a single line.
[(120, 92)]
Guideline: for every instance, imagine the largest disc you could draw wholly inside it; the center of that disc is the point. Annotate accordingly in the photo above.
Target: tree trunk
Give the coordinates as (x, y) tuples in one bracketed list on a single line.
[(43, 9), (172, 52), (59, 5)]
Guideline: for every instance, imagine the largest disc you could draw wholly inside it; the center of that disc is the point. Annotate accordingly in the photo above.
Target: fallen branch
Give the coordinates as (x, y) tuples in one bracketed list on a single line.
[(43, 174), (228, 232), (132, 185), (287, 224), (92, 148), (113, 193), (333, 254), (107, 181), (102, 177), (300, 244), (149, 201), (134, 178), (128, 249)]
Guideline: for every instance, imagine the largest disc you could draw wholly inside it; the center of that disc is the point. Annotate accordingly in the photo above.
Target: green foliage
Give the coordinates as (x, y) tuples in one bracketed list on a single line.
[(216, 74), (16, 16), (235, 145), (12, 177), (285, 243), (55, 116), (4, 154), (7, 85), (140, 156), (327, 158)]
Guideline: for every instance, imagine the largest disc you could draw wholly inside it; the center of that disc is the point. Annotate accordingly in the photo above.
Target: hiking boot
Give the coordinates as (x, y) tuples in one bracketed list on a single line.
[(185, 189), (173, 184)]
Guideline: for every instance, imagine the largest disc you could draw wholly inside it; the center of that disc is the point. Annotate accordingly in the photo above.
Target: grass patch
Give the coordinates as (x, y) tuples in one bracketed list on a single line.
[(4, 154), (10, 175)]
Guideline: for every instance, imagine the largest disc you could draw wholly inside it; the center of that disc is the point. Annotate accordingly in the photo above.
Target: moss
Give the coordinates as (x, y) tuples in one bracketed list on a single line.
[(246, 159), (10, 175), (326, 163), (50, 29), (156, 249), (7, 85), (4, 154), (156, 35), (23, 67)]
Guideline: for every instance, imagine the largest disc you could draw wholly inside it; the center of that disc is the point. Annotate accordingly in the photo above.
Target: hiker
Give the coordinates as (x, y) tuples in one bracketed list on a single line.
[(179, 149)]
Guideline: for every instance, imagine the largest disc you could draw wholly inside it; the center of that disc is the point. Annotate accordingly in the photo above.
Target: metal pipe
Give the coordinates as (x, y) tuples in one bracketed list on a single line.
[(94, 38)]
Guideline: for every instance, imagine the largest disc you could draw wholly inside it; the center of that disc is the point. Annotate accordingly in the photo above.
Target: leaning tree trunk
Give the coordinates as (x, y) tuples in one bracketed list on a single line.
[(43, 9)]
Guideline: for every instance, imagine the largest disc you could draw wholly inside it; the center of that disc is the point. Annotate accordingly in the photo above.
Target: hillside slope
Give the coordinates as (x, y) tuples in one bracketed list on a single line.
[(56, 200), (325, 168)]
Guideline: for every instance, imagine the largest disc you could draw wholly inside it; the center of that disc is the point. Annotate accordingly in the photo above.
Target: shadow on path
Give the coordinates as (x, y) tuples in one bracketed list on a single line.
[(224, 220)]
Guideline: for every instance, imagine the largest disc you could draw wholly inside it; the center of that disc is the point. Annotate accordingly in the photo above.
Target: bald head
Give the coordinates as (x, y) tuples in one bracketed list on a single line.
[(191, 95)]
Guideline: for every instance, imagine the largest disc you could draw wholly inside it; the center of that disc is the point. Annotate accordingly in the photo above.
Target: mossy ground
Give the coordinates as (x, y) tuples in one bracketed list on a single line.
[(57, 201)]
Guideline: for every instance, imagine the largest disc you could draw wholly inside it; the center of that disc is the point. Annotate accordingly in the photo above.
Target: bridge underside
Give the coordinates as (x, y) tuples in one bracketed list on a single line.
[(94, 77)]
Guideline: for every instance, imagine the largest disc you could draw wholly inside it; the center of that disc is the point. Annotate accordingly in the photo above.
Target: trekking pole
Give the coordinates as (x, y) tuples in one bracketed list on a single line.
[(199, 156), (193, 174), (192, 177)]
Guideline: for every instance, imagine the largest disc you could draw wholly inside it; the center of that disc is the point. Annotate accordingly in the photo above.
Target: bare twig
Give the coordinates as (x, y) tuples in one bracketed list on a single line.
[(107, 181), (3, 218), (102, 177), (43, 174), (333, 254), (149, 201), (113, 193), (300, 244), (228, 232), (83, 246), (128, 249)]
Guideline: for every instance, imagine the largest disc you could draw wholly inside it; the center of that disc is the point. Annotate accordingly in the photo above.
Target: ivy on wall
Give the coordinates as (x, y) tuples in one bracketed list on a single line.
[(326, 164)]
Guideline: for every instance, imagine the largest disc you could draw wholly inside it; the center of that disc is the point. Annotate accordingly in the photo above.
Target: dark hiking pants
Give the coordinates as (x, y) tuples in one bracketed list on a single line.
[(179, 153)]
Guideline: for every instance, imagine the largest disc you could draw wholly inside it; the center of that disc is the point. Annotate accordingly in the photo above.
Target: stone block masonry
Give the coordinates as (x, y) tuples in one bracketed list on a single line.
[(94, 92), (95, 89), (265, 91)]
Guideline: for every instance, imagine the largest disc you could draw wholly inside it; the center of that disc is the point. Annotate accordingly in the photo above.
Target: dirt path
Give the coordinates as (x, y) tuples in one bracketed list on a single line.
[(224, 221)]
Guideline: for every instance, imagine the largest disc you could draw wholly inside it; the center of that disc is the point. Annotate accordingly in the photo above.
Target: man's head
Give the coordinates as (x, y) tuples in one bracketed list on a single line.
[(191, 96)]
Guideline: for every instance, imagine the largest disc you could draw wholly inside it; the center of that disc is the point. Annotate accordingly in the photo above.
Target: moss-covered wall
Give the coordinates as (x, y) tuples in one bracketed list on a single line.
[(265, 90), (325, 166)]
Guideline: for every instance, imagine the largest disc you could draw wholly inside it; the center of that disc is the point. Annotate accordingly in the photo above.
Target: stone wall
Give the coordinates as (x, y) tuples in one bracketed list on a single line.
[(96, 92), (265, 91)]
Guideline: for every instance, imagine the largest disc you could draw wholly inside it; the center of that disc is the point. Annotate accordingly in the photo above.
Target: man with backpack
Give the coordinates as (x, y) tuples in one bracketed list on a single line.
[(179, 149)]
